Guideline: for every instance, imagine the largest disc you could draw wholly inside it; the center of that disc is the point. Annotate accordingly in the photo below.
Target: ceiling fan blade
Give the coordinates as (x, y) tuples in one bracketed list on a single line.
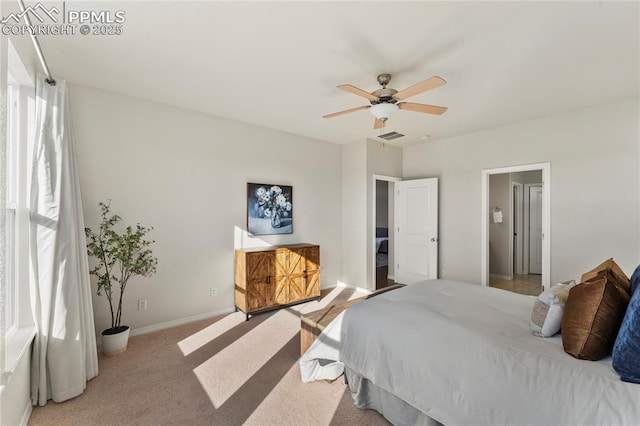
[(347, 111), (356, 91), (423, 86), (378, 124), (429, 109)]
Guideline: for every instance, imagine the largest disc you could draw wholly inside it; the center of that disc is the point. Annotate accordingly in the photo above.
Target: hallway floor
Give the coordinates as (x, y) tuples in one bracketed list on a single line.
[(524, 284)]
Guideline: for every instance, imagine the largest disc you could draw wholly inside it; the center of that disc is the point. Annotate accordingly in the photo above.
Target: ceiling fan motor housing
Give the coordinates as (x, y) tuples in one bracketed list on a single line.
[(384, 96), (384, 79)]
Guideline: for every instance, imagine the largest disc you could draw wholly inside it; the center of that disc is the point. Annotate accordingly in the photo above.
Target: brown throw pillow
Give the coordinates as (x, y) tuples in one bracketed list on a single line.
[(612, 268), (592, 317)]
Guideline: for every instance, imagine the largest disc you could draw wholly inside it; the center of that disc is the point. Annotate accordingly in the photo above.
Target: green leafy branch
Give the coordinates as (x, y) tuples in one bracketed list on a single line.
[(119, 256)]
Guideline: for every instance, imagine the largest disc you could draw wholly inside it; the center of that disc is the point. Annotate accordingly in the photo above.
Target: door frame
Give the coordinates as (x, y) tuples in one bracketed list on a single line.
[(527, 218), (372, 232), (517, 227), (546, 218)]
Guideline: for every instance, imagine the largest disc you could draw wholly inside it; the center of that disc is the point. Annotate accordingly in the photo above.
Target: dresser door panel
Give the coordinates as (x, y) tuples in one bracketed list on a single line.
[(259, 280), (297, 262), (281, 290), (260, 295), (312, 259), (297, 288), (312, 285)]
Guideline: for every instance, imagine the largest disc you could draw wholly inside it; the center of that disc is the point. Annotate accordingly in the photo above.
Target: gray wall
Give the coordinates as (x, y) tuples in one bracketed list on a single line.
[(360, 161), (382, 204), (386, 160), (595, 186), (500, 258), (499, 262)]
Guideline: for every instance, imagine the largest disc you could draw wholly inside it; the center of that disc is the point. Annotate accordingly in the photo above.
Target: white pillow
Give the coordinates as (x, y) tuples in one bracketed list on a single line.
[(548, 309)]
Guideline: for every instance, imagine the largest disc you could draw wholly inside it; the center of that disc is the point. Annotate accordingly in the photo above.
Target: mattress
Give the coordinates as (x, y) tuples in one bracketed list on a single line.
[(464, 354)]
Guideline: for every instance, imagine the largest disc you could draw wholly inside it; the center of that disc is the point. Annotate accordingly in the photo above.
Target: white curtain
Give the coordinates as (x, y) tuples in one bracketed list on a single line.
[(3, 199), (64, 350)]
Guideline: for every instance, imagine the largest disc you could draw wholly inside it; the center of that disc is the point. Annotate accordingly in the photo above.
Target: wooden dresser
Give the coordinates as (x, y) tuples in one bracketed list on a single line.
[(268, 278)]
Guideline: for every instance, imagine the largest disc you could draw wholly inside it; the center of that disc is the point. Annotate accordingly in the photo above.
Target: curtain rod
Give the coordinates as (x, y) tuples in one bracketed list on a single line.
[(50, 80)]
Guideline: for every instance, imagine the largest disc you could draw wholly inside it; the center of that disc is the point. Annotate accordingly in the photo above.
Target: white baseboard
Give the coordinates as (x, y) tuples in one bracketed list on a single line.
[(26, 414), (345, 285), (501, 277), (173, 323), (179, 321)]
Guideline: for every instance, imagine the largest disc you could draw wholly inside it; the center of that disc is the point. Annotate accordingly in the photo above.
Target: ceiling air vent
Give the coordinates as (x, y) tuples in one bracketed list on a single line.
[(391, 136)]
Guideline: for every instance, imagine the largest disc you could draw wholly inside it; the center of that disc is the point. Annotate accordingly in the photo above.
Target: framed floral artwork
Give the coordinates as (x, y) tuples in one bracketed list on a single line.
[(269, 209)]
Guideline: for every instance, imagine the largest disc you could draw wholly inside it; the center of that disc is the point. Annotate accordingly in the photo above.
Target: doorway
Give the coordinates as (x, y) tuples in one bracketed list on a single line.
[(383, 225), (516, 241)]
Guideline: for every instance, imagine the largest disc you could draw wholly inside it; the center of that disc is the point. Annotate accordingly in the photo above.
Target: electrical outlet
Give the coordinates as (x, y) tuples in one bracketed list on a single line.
[(442, 274), (214, 292), (142, 304)]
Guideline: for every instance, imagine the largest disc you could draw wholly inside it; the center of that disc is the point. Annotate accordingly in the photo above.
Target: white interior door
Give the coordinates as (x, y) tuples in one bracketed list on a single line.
[(416, 230), (535, 230)]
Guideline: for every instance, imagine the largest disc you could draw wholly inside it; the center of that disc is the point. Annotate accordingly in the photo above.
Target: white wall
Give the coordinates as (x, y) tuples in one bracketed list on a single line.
[(15, 397), (354, 214), (595, 190), (185, 174)]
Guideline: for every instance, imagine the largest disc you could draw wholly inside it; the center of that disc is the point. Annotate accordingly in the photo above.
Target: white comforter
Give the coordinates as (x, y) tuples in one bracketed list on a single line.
[(464, 354)]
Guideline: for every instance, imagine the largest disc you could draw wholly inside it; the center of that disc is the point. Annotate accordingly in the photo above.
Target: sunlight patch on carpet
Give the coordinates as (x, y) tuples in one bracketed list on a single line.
[(328, 299), (252, 352), (326, 397), (206, 335)]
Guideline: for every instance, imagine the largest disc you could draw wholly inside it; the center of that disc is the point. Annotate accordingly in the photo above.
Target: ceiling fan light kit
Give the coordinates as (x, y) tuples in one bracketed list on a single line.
[(383, 111), (384, 102)]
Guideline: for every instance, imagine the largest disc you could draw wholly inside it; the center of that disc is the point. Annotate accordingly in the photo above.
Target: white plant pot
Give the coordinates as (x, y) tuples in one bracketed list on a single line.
[(113, 344)]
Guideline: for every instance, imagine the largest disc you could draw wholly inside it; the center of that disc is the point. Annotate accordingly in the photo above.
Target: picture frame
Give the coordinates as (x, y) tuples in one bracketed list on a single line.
[(269, 209)]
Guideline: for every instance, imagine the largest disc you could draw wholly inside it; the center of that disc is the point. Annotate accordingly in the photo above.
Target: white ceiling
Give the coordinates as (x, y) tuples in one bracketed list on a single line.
[(277, 64)]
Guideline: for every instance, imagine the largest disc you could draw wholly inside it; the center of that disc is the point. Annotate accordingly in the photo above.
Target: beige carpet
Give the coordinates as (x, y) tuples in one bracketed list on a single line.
[(221, 371)]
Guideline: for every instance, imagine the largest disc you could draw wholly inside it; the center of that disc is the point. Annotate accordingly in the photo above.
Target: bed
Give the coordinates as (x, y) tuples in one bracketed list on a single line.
[(445, 352)]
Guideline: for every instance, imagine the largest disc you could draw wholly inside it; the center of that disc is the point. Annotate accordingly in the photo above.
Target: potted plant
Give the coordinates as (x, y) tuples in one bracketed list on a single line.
[(120, 256)]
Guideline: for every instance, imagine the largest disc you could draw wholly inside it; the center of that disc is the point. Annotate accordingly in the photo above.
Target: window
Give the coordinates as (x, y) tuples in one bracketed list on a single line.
[(12, 179), (20, 102)]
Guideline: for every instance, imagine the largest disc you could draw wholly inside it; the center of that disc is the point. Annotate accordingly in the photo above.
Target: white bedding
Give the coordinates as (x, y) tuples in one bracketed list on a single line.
[(464, 354)]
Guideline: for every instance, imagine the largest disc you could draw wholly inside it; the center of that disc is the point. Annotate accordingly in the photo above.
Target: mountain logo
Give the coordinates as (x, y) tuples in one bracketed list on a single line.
[(33, 11)]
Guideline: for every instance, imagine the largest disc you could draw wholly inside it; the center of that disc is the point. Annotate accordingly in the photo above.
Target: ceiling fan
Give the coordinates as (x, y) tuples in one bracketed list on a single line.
[(385, 101)]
